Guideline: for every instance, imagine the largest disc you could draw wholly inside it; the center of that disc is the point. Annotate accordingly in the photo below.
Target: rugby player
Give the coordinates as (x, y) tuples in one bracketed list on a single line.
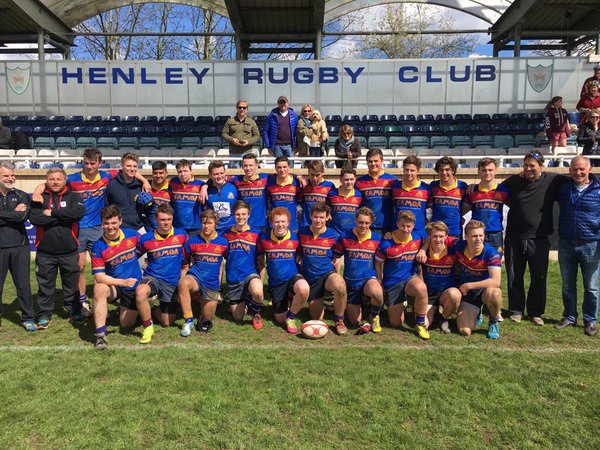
[(184, 190), (376, 190), (164, 247), (116, 272), (159, 188), (344, 201), (479, 270), (397, 270), (283, 190), (251, 189), (316, 250), (316, 190), (244, 284), (205, 251), (447, 195), (437, 272), (279, 245), (358, 247), (221, 195), (412, 194)]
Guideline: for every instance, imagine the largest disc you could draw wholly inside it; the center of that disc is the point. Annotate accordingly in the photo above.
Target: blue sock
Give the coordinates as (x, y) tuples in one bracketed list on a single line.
[(189, 320), (375, 310), (420, 319), (493, 319), (255, 307), (339, 317), (290, 314), (82, 298), (102, 330)]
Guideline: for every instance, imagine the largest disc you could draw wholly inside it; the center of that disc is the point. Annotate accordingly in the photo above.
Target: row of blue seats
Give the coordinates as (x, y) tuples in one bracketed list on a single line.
[(119, 131), (365, 120), (214, 142)]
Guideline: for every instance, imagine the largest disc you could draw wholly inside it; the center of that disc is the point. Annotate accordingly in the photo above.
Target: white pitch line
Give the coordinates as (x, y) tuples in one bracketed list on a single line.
[(296, 346)]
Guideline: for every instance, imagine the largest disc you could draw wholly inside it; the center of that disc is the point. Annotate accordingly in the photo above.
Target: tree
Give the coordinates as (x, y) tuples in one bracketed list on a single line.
[(417, 17)]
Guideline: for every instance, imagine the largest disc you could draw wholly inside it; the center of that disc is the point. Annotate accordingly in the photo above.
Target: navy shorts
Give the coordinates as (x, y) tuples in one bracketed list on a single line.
[(206, 293), (317, 287), (167, 293), (126, 298), (238, 292), (396, 294), (494, 238), (356, 293), (282, 294), (87, 237), (474, 297)]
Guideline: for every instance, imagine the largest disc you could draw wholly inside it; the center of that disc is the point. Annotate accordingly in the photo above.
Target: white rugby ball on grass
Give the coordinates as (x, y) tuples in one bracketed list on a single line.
[(315, 329)]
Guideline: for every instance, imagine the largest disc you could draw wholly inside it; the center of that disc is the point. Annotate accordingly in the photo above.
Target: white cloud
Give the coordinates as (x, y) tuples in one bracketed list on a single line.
[(27, 56)]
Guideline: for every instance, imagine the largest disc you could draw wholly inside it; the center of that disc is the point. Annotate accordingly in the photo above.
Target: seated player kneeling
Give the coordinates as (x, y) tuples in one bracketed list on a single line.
[(479, 270), (116, 272), (164, 246), (205, 251), (358, 247), (316, 244), (279, 246), (244, 285), (437, 272), (397, 268)]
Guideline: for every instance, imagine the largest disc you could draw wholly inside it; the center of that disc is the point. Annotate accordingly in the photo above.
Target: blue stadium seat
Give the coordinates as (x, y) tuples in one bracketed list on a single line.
[(119, 131), (167, 130), (412, 130), (444, 118), (220, 121), (463, 118), (139, 131), (55, 121), (500, 118), (41, 131), (111, 121), (519, 117), (100, 131), (450, 130), (37, 121), (19, 121), (464, 127), (481, 118), (186, 121), (64, 142), (21, 129), (461, 141), (61, 131), (130, 121), (417, 141), (167, 121), (440, 141), (148, 121), (370, 120), (128, 142), (425, 119), (190, 142), (331, 119), (351, 118), (357, 129), (85, 142), (377, 141), (333, 130), (536, 118), (214, 142), (407, 119), (499, 128), (93, 121), (74, 121), (388, 119), (431, 130), (363, 141), (519, 127), (504, 141), (107, 142), (483, 141), (43, 142), (373, 130), (208, 120), (398, 141), (574, 117)]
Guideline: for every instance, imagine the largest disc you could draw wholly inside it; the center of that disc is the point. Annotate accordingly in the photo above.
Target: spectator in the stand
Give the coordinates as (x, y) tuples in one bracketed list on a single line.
[(557, 123), (586, 84), (5, 136), (241, 132), (589, 136), (304, 130), (279, 133), (319, 135), (579, 244), (347, 147), (589, 102)]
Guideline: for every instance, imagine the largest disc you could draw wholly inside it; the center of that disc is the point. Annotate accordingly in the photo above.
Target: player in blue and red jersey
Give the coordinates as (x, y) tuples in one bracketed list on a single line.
[(344, 201), (376, 190), (252, 189), (116, 272), (185, 198), (283, 190), (316, 250), (164, 246), (222, 195), (244, 284), (289, 290), (358, 246), (159, 188), (316, 190), (397, 270), (205, 251), (412, 194), (447, 195), (437, 272), (479, 269), (486, 201)]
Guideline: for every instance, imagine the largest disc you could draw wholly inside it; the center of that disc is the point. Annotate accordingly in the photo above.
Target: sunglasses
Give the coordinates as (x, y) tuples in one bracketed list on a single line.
[(594, 117), (242, 107), (306, 110), (535, 155)]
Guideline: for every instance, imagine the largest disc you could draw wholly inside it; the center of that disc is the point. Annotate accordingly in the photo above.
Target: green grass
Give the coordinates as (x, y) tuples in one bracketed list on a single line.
[(238, 388)]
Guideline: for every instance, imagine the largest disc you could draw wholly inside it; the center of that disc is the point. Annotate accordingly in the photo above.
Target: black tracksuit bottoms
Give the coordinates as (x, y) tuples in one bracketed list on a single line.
[(16, 259), (46, 271)]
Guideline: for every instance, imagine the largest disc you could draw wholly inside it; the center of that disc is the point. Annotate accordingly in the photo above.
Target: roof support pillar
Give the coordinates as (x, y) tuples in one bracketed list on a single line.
[(517, 40), (317, 44), (40, 43)]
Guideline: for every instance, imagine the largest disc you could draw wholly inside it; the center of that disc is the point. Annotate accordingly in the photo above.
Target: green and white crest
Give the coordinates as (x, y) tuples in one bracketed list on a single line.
[(18, 78)]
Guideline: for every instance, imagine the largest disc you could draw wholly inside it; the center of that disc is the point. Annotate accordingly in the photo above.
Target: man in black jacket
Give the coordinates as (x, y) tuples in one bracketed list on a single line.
[(14, 244), (57, 222)]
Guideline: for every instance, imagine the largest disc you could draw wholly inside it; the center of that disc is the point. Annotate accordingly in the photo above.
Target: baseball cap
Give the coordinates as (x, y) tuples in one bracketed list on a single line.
[(282, 99)]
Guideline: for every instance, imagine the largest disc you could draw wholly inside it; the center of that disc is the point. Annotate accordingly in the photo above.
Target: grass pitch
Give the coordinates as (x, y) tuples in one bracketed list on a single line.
[(238, 388)]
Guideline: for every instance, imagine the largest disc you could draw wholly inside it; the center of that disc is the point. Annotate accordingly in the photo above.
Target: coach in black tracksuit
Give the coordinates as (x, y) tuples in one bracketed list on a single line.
[(57, 222), (14, 244)]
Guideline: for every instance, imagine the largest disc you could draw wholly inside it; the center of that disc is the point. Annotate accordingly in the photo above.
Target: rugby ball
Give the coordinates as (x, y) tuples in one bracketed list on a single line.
[(315, 329)]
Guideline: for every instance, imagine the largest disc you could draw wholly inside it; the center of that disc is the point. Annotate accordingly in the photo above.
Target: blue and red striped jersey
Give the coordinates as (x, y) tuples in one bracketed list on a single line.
[(118, 259), (280, 255), (438, 273), (285, 195), (446, 204), (253, 192), (343, 209), (93, 193), (398, 259), (206, 256), (241, 253), (165, 255), (316, 251), (486, 205), (184, 199), (377, 195), (475, 268), (359, 256), (310, 195), (415, 200)]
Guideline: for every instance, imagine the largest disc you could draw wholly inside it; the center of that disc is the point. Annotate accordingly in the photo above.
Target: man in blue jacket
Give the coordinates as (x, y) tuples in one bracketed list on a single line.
[(279, 132), (579, 244)]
